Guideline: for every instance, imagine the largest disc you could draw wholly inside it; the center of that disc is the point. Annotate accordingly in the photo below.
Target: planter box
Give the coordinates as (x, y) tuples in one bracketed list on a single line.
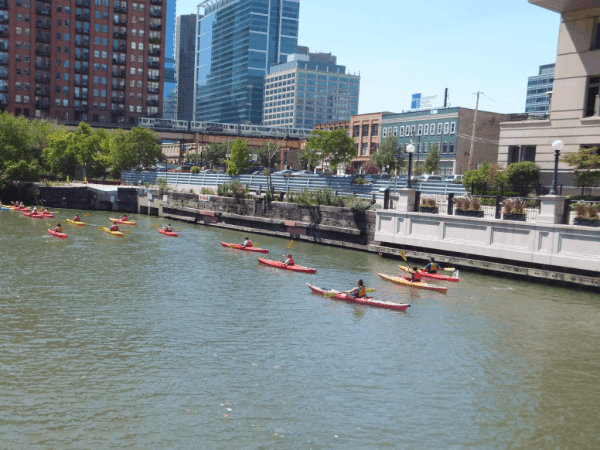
[(517, 217), (586, 222), (430, 210), (460, 212)]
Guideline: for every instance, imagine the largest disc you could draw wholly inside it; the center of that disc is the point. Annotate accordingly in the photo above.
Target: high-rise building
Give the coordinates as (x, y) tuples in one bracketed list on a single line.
[(237, 42), (185, 50), (538, 102), (306, 90), (96, 61)]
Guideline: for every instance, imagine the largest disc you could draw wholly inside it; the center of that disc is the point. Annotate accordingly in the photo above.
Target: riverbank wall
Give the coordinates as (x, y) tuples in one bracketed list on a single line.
[(88, 197)]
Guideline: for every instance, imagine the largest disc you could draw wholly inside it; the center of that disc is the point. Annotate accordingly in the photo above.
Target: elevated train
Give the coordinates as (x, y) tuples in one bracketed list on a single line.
[(224, 128)]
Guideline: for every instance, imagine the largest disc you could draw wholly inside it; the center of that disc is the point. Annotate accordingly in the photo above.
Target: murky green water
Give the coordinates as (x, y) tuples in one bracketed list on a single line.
[(158, 343)]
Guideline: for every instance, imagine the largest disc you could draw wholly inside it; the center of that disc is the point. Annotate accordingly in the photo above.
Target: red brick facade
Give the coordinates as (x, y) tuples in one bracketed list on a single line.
[(93, 60)]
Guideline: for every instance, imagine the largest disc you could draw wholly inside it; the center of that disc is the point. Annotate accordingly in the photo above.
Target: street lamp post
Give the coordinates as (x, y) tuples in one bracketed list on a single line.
[(410, 149), (557, 146)]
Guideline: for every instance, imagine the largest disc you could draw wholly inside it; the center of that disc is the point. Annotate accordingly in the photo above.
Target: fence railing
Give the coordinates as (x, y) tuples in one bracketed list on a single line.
[(340, 185)]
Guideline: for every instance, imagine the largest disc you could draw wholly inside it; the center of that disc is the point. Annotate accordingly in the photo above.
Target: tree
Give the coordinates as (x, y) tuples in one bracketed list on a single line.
[(269, 155), (488, 174), (131, 149), (214, 154), (385, 157), (333, 147), (432, 160), (522, 173), (239, 161), (349, 169), (586, 166), (195, 169), (370, 169)]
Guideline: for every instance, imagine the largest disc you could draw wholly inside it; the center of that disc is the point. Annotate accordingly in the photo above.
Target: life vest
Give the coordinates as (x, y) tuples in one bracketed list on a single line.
[(248, 243), (58, 229), (76, 219), (417, 277), (125, 219), (361, 292), (433, 267), (114, 228), (291, 263)]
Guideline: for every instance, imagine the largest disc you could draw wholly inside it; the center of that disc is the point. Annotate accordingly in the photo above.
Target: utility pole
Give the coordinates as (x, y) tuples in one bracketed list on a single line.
[(478, 93)]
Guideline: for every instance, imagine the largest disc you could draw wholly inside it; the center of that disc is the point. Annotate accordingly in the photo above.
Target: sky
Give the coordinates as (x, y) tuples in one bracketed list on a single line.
[(405, 47)]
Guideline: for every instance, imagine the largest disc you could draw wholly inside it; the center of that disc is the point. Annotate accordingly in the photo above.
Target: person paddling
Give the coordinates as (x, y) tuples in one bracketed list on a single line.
[(34, 211), (125, 218), (168, 228), (289, 261), (359, 291), (76, 218), (114, 227), (46, 211), (416, 275), (432, 267), (57, 228), (247, 242)]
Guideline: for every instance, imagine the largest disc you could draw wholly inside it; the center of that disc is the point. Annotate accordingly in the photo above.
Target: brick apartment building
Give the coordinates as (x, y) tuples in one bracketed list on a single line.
[(91, 60)]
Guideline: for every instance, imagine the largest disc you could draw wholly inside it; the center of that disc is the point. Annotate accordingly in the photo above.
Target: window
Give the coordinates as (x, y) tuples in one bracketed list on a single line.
[(592, 93), (412, 130), (451, 147), (141, 46), (432, 129), (445, 147), (395, 131), (384, 131), (18, 57), (528, 154), (59, 36), (18, 30), (27, 18), (439, 128), (65, 90), (132, 71), (355, 129), (420, 130), (596, 35), (426, 129), (96, 53), (19, 17), (18, 98), (133, 46), (446, 128), (401, 131), (453, 128)]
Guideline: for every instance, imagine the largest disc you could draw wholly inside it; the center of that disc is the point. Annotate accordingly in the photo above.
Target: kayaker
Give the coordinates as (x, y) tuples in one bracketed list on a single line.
[(247, 242), (168, 228), (289, 261), (76, 218), (114, 227), (432, 267), (46, 211), (125, 218), (34, 210), (416, 275), (57, 228), (359, 291)]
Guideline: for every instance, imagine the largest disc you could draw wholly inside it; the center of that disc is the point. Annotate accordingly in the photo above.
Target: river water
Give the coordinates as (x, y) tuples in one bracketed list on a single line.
[(152, 342)]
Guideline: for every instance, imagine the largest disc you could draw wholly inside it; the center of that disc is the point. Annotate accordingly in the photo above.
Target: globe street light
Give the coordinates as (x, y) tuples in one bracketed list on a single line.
[(557, 146), (410, 149)]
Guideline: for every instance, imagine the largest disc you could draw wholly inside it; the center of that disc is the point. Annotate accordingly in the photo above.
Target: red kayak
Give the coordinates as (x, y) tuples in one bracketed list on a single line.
[(361, 301), (57, 234), (435, 276), (246, 249), (23, 209), (33, 216), (167, 233), (280, 265)]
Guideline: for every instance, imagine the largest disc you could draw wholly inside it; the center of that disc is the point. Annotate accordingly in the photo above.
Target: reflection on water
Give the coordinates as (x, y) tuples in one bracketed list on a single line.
[(154, 342)]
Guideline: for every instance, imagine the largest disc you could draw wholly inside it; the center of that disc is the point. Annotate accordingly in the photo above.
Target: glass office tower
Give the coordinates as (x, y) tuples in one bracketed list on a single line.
[(237, 42)]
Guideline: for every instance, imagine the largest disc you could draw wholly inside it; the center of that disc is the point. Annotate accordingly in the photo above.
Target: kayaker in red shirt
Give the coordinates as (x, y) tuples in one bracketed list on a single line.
[(289, 261), (416, 275), (114, 227), (57, 228), (46, 211), (359, 291), (76, 218), (247, 242), (125, 218)]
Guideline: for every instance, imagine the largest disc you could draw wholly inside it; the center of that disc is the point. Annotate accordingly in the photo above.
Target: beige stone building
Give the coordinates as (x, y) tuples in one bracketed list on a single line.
[(574, 110), (365, 130)]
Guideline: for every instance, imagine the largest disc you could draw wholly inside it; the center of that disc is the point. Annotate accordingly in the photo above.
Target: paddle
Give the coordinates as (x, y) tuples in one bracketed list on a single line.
[(86, 215), (289, 246), (333, 294)]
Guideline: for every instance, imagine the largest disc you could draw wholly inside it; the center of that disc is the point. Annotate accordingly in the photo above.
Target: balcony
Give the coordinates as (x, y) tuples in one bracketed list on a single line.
[(154, 77), (42, 51), (118, 100), (119, 61), (4, 32), (155, 26), (4, 88), (120, 9), (151, 90), (82, 69), (43, 12), (118, 87), (82, 108), (4, 62), (42, 93), (40, 105), (3, 4), (118, 111), (120, 74), (3, 19), (41, 79), (39, 38), (41, 65), (85, 44), (85, 17), (118, 35), (122, 48), (83, 57), (3, 74), (154, 64), (120, 22), (152, 103), (155, 13), (43, 25), (154, 52), (84, 3), (81, 96), (82, 31)]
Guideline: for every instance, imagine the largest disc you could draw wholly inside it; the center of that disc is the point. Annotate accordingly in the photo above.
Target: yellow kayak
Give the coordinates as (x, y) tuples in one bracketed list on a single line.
[(122, 222), (114, 233), (404, 282), (79, 224)]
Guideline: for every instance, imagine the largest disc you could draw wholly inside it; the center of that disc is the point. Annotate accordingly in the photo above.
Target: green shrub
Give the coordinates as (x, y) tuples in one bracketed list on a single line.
[(207, 191), (162, 184), (223, 190), (195, 169), (522, 173), (359, 180)]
